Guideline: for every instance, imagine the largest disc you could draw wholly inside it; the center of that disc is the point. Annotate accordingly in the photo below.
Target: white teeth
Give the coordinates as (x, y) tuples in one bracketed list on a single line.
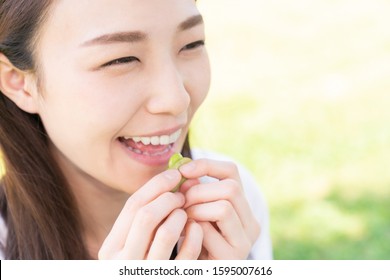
[(174, 136), (164, 140), (157, 140), (145, 140)]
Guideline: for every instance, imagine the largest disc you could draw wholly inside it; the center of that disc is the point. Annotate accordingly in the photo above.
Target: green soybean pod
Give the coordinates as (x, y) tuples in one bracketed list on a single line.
[(175, 162)]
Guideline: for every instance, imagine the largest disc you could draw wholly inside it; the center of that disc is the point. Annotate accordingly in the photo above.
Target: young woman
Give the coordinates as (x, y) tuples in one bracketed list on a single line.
[(95, 98)]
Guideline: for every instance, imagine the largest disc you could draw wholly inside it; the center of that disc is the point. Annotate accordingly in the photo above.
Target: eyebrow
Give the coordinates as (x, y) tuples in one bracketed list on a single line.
[(118, 37), (190, 22), (137, 36)]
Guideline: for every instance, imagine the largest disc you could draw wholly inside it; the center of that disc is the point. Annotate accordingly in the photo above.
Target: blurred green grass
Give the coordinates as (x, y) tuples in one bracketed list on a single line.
[(300, 95)]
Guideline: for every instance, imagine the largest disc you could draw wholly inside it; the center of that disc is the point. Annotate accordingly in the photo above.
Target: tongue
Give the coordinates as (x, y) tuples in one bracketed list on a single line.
[(145, 148)]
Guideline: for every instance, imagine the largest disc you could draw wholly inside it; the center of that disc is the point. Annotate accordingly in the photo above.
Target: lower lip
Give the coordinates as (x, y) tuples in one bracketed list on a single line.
[(159, 159)]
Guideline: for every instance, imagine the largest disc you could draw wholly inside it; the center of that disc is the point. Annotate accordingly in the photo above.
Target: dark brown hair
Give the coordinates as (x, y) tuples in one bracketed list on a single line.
[(37, 206), (36, 203)]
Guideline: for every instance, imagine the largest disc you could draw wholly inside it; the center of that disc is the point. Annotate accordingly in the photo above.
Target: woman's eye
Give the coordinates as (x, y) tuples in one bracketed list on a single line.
[(120, 61), (193, 45)]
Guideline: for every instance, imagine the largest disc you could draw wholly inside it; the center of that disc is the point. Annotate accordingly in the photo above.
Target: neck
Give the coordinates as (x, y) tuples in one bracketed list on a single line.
[(99, 206)]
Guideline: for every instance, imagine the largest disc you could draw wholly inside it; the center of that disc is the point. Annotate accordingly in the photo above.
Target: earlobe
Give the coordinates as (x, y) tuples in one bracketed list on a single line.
[(13, 84)]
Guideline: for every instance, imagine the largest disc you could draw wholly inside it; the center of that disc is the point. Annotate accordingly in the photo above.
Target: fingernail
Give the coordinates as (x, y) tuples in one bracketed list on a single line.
[(188, 167), (171, 174)]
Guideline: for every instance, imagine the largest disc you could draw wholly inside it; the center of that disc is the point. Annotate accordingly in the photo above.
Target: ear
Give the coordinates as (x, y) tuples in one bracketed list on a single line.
[(17, 86)]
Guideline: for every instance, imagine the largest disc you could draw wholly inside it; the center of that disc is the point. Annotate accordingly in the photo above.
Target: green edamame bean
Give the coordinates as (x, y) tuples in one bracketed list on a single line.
[(175, 162)]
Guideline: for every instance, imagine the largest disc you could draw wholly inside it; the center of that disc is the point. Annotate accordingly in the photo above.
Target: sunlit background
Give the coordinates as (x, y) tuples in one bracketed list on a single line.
[(300, 96)]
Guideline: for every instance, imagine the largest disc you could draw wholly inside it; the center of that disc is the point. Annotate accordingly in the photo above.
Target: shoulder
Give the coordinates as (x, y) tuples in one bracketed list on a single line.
[(262, 249)]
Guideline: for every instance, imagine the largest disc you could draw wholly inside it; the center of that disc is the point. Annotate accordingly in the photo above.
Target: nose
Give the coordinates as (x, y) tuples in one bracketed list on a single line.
[(167, 91)]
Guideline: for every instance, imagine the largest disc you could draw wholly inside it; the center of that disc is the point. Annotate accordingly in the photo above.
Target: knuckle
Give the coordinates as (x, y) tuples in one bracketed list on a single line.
[(132, 204), (168, 233), (145, 217), (225, 209), (233, 189), (232, 167)]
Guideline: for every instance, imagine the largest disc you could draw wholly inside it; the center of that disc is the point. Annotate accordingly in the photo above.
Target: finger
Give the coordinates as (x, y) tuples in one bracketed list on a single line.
[(229, 190), (215, 246), (188, 184), (146, 221), (192, 243), (213, 168), (163, 182), (159, 184), (223, 214), (167, 236)]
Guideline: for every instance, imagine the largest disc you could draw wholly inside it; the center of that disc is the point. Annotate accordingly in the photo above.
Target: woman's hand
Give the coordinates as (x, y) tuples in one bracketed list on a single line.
[(151, 222), (221, 209)]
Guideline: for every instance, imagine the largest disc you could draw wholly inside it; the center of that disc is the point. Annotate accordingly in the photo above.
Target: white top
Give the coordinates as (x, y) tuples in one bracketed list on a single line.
[(261, 250)]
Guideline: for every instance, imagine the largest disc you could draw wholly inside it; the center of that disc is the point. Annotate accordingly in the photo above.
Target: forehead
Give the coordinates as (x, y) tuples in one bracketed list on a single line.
[(75, 21)]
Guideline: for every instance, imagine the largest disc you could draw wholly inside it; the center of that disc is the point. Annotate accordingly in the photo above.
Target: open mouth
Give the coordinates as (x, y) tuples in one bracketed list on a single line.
[(152, 146)]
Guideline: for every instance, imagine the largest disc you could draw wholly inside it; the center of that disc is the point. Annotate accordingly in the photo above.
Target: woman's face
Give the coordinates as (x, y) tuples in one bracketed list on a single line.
[(121, 81)]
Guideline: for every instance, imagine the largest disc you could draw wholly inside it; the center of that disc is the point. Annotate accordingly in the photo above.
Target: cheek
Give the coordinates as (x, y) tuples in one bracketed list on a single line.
[(83, 118), (89, 100), (199, 84), (83, 115)]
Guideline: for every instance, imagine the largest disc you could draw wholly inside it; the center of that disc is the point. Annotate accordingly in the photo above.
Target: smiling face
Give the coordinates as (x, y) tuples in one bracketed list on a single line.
[(120, 84)]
